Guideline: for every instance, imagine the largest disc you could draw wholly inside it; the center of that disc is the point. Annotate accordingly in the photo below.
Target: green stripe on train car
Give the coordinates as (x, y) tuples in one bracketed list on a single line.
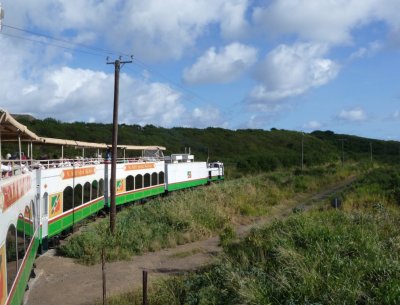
[(217, 179), (19, 292), (138, 194), (66, 221), (186, 184)]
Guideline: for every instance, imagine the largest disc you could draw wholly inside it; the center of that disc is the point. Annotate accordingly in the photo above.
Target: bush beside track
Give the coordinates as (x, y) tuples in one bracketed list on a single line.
[(347, 256), (195, 214)]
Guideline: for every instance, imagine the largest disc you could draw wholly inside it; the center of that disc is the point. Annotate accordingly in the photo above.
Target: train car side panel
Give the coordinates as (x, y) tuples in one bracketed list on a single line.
[(185, 175)]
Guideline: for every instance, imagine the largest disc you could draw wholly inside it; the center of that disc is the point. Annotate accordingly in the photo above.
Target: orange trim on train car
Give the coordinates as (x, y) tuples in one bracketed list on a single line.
[(13, 191), (135, 166), (78, 172)]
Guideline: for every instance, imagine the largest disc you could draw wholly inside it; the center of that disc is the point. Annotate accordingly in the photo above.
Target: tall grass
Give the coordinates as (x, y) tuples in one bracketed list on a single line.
[(349, 256), (194, 214)]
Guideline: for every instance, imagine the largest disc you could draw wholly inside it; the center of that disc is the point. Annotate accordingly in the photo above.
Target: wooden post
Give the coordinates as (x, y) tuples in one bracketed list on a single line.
[(144, 287), (103, 271)]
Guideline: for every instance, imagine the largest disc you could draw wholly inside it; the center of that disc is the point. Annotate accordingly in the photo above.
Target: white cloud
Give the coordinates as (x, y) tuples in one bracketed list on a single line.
[(234, 23), (150, 29), (223, 66), (367, 51), (289, 71), (396, 115), (353, 115), (207, 116), (312, 125), (324, 21)]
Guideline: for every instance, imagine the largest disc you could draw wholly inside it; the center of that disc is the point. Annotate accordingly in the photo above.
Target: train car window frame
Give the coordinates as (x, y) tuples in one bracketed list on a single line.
[(94, 186), (130, 183), (154, 179), (87, 188), (78, 195), (138, 178), (12, 269), (21, 247), (101, 187), (68, 204), (146, 180), (161, 177)]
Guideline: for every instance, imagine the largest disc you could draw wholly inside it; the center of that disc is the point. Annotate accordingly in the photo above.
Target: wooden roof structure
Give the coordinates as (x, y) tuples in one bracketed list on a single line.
[(11, 129)]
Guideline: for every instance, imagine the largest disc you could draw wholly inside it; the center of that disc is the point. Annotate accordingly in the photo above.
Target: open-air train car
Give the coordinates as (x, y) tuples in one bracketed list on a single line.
[(39, 199)]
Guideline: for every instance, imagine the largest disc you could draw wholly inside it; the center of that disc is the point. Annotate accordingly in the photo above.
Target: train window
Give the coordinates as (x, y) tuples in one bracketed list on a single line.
[(33, 213), (77, 195), (138, 182), (45, 204), (86, 192), (146, 180), (154, 179), (95, 190), (129, 183), (161, 177), (11, 253), (67, 198), (101, 187), (28, 226), (20, 239)]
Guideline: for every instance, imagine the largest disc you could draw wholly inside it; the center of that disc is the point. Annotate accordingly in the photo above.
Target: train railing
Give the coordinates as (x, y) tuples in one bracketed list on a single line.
[(16, 167)]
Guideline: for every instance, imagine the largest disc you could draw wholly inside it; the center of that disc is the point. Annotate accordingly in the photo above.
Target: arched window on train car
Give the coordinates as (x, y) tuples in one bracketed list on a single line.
[(130, 183), (11, 254), (95, 190), (86, 192), (20, 239), (68, 198), (101, 187), (138, 182), (154, 179), (161, 177), (77, 195), (35, 220), (146, 180), (28, 226)]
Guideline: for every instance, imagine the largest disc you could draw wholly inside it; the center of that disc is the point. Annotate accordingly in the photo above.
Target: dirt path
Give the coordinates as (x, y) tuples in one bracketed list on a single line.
[(61, 281)]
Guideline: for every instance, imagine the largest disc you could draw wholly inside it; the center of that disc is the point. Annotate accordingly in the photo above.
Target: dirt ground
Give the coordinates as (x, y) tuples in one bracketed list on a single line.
[(61, 281)]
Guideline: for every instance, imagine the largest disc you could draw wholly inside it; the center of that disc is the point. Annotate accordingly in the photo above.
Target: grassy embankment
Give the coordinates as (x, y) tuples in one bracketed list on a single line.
[(196, 214), (347, 256)]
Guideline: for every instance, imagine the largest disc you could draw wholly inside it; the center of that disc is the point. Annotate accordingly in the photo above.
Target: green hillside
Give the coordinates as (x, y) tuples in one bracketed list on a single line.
[(246, 149)]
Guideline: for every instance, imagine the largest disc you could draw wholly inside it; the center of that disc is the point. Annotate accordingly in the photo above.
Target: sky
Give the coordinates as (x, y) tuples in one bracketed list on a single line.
[(290, 64)]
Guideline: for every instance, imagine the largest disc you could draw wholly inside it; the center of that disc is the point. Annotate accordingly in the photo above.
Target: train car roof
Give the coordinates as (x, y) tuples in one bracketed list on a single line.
[(10, 128)]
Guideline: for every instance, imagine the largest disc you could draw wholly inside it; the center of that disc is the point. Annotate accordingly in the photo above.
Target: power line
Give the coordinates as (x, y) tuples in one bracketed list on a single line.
[(104, 51), (50, 44), (99, 52)]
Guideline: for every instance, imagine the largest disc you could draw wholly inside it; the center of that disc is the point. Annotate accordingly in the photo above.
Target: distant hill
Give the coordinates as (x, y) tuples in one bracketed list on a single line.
[(24, 117), (246, 149)]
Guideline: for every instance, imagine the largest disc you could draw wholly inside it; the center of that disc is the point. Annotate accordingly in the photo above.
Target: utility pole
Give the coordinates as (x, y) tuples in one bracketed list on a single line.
[(370, 150), (342, 150), (1, 17), (113, 208), (302, 151)]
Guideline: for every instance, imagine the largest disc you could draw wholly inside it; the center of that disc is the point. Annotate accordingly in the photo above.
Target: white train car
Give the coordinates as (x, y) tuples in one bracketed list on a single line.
[(19, 217), (183, 172)]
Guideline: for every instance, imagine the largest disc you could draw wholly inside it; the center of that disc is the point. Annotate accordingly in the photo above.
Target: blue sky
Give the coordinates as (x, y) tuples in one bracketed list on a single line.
[(291, 64)]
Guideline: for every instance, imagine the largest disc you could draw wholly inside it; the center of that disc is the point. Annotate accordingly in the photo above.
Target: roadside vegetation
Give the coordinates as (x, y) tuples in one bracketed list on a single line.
[(327, 256), (196, 214), (243, 151)]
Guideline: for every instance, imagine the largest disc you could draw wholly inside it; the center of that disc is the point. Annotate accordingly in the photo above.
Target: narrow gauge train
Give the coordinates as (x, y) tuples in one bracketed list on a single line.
[(40, 199)]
